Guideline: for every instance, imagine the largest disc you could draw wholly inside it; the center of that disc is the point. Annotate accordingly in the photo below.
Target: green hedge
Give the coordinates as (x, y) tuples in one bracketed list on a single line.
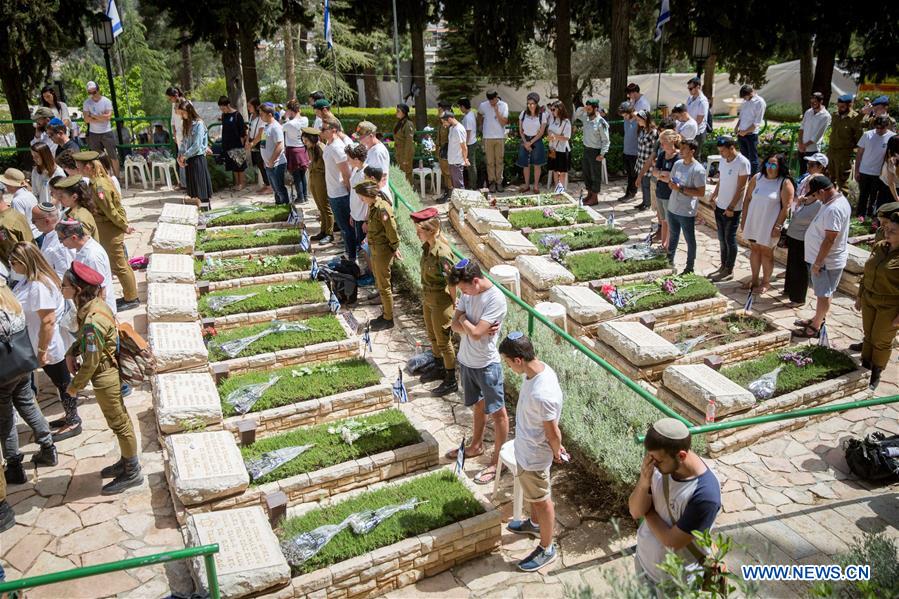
[(217, 241), (238, 268), (699, 288), (330, 448), (582, 238), (407, 270), (601, 265), (268, 214), (325, 379), (535, 219), (448, 501), (268, 297), (324, 328), (826, 364)]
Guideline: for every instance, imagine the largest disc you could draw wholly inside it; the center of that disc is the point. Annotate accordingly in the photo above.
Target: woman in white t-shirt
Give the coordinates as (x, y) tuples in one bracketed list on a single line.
[(531, 152), (254, 138), (44, 169), (297, 158), (356, 155), (559, 144), (43, 304), (60, 109), (889, 173)]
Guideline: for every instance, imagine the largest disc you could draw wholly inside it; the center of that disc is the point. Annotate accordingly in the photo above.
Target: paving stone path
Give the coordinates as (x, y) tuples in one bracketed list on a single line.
[(787, 500)]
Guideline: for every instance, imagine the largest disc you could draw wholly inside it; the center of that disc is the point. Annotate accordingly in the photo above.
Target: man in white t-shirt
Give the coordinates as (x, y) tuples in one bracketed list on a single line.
[(88, 251), (273, 155), (728, 197), (494, 115), (871, 148), (45, 216), (749, 123), (826, 249), (470, 122), (686, 126), (538, 443), (98, 116), (637, 100), (457, 149), (377, 156), (337, 182), (698, 109), (478, 317), (815, 122)]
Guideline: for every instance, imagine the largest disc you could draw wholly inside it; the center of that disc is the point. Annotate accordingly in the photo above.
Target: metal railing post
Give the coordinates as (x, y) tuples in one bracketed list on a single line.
[(530, 325), (212, 579)]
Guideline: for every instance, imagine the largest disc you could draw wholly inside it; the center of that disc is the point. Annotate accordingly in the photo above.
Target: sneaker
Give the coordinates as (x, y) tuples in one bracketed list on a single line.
[(317, 236), (434, 374), (46, 456), (65, 432), (524, 527), (327, 239), (726, 275), (14, 473), (113, 470), (122, 304), (538, 558), (855, 346), (449, 385), (380, 324), (130, 477), (626, 197), (7, 516), (711, 276)]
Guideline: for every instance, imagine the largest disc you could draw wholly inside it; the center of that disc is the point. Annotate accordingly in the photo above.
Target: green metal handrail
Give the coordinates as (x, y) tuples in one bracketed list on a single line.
[(207, 552)]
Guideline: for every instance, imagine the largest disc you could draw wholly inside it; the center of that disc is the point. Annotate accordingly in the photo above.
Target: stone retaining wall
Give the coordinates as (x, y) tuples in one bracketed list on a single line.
[(285, 277), (680, 312), (272, 250)]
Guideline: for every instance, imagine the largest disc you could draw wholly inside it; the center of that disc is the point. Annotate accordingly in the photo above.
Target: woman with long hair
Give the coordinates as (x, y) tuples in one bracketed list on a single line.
[(317, 186), (16, 393), (647, 142), (356, 155), (234, 137), (95, 345), (41, 299), (404, 141), (889, 174), (559, 128), (192, 155), (669, 140), (60, 109), (531, 151), (45, 168), (75, 197), (297, 156), (254, 138), (768, 198), (175, 95)]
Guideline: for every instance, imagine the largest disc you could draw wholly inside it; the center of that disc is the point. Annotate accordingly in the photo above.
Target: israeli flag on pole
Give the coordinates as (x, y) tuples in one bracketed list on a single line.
[(664, 17), (399, 389), (328, 38), (305, 244), (460, 457), (334, 303), (610, 222), (747, 307), (580, 199), (113, 13), (313, 269), (366, 340)]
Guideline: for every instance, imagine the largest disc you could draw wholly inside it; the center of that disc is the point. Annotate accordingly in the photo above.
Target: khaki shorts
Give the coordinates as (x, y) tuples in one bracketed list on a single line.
[(535, 485)]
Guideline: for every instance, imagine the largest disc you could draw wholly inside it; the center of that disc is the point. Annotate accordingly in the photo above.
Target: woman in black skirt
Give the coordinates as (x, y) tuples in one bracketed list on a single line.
[(254, 141), (192, 155), (234, 137), (802, 212)]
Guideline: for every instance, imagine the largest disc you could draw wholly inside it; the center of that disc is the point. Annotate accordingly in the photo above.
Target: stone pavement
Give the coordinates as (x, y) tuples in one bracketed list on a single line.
[(787, 500)]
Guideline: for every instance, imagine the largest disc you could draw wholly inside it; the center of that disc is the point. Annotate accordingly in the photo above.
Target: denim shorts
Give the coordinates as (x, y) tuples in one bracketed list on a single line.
[(825, 283), (536, 157), (483, 384)]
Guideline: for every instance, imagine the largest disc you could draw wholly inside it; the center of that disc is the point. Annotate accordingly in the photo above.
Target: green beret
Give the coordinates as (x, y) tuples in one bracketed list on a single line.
[(368, 189), (68, 182), (321, 104), (86, 155)]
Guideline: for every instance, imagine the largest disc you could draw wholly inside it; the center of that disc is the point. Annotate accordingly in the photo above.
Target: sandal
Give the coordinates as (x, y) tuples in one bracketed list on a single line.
[(452, 454), (807, 332), (802, 322), (487, 475), (748, 285)]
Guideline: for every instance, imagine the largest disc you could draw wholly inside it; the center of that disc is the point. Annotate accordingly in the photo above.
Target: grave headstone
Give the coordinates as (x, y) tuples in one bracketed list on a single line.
[(542, 272), (584, 306), (171, 268), (636, 343), (697, 384), (177, 345), (172, 302), (171, 238), (468, 198), (205, 466), (485, 220), (509, 244), (180, 214), (186, 399)]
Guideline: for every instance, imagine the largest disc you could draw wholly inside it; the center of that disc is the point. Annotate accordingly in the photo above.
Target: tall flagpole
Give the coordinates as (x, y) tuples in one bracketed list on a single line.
[(396, 52), (661, 56)]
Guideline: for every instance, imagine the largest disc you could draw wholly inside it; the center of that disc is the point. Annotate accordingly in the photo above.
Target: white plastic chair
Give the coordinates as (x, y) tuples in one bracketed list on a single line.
[(167, 169), (438, 176), (136, 166), (712, 159), (507, 459), (423, 173)]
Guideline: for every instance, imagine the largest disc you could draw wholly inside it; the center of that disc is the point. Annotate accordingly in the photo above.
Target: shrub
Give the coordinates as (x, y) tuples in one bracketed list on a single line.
[(237, 268), (582, 238), (268, 297), (877, 551), (324, 328), (601, 265), (826, 364), (541, 218), (325, 379), (698, 288), (217, 241), (329, 448), (785, 112), (268, 214), (448, 501), (408, 268), (857, 227)]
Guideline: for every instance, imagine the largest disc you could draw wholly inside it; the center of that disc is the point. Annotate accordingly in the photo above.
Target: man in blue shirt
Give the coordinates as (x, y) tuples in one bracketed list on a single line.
[(626, 110)]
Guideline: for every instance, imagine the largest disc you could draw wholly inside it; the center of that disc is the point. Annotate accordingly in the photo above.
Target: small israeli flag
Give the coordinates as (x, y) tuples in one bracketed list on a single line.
[(366, 340), (580, 199), (747, 307), (296, 216), (305, 244), (648, 240), (313, 269), (328, 34), (610, 222), (399, 389), (460, 457), (823, 339), (334, 303)]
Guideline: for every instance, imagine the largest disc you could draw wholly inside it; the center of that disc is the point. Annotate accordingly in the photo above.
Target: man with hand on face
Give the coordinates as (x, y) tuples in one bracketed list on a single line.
[(815, 122)]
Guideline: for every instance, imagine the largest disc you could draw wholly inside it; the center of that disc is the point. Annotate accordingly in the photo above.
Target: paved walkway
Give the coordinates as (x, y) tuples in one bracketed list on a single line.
[(787, 500)]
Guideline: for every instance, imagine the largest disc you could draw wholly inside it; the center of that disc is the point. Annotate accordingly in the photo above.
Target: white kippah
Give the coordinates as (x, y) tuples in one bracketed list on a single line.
[(671, 428)]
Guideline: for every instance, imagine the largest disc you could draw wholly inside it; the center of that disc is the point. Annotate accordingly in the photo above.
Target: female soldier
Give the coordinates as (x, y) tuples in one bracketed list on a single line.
[(96, 345), (112, 225), (404, 140), (384, 244), (879, 301), (439, 298), (75, 197), (317, 186)]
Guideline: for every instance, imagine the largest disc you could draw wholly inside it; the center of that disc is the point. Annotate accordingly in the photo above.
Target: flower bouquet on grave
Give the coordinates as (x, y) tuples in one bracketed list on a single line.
[(244, 398), (208, 217), (636, 252), (557, 249), (223, 301), (622, 297), (208, 333), (800, 359), (307, 371), (233, 348), (272, 460), (686, 346), (352, 430), (299, 549), (764, 386), (364, 522)]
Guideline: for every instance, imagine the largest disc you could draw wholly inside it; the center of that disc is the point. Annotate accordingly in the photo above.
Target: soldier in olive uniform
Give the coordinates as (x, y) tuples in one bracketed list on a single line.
[(438, 297), (112, 225), (845, 130), (384, 244), (442, 149), (96, 344), (75, 197), (317, 186), (880, 106), (13, 229), (879, 301), (404, 141)]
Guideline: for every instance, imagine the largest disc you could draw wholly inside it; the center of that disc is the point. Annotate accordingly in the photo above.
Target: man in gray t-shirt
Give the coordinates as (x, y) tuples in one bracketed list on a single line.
[(478, 317), (687, 186)]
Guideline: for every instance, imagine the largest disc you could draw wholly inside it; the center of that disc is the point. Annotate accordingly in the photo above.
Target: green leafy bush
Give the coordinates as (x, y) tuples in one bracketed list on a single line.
[(601, 265), (697, 288), (268, 214), (558, 217), (268, 297), (324, 328), (448, 501), (408, 268), (322, 380), (826, 364), (330, 448), (784, 112), (879, 552), (582, 238), (217, 241), (253, 266)]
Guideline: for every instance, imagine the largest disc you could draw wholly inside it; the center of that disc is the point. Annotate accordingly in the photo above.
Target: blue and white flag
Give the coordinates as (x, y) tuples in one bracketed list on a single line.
[(648, 240), (366, 340), (460, 457), (296, 215), (823, 339), (313, 269), (747, 307), (305, 244), (580, 199), (664, 17), (112, 12), (399, 389), (328, 37), (334, 303), (610, 222)]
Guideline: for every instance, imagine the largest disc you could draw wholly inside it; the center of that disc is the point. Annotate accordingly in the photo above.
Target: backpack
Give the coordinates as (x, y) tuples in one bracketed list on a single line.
[(876, 458), (343, 285), (133, 355)]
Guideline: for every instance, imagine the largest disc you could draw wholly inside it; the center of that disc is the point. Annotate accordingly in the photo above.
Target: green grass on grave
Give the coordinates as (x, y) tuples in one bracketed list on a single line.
[(601, 265), (699, 288), (324, 328), (268, 214), (235, 239), (255, 266), (268, 297), (826, 364), (536, 219), (582, 238)]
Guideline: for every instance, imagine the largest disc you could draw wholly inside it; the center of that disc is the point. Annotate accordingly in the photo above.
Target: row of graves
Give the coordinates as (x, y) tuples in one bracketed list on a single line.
[(676, 335), (284, 442)]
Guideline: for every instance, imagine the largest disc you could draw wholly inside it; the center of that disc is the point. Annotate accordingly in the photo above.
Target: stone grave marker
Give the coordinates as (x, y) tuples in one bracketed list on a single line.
[(185, 398), (205, 466), (469, 198), (542, 272), (171, 268), (584, 305), (172, 302), (485, 220), (180, 214), (171, 238), (636, 343), (177, 345), (509, 244), (697, 384)]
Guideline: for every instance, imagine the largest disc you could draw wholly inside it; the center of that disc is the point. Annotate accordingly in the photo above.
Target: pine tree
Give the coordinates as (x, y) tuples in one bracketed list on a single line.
[(456, 68)]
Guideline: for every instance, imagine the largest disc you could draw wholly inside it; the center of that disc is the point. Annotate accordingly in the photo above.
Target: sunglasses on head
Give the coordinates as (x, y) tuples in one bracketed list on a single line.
[(771, 165)]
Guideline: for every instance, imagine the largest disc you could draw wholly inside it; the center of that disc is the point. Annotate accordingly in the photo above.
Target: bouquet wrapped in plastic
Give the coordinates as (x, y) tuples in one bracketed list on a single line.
[(686, 346), (764, 386), (208, 217), (299, 549), (352, 430), (233, 348), (243, 398), (421, 362), (272, 460), (636, 251), (223, 301), (364, 522)]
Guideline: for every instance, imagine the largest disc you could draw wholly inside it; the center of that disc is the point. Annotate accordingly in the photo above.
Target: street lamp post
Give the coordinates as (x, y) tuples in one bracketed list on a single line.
[(702, 47), (103, 37)]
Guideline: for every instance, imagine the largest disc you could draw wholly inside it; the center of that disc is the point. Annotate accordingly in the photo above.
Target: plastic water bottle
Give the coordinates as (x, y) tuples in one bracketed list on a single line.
[(892, 452), (710, 412), (418, 348)]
